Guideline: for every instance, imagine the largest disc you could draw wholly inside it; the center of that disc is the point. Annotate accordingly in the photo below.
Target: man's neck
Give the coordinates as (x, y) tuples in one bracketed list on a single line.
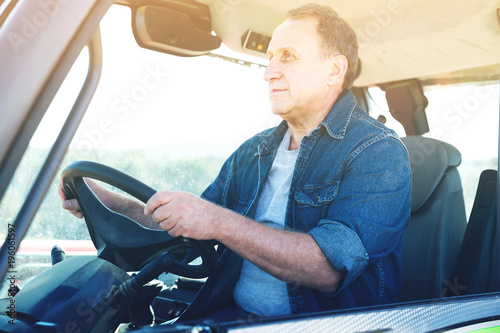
[(296, 136), (301, 127)]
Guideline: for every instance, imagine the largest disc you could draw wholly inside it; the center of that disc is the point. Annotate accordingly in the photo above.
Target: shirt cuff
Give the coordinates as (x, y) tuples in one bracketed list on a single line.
[(343, 249)]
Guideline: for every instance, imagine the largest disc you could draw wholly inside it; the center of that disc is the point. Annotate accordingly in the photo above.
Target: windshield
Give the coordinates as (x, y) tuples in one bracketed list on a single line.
[(166, 120)]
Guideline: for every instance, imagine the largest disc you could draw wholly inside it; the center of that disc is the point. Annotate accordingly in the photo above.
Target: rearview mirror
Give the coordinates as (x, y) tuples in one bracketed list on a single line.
[(174, 31)]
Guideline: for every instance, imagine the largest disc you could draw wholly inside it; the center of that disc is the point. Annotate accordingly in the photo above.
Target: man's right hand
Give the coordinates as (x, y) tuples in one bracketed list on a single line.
[(70, 205), (125, 205)]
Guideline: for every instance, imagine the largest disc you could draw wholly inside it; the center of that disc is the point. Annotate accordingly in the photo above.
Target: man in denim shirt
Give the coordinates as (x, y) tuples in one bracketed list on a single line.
[(310, 215)]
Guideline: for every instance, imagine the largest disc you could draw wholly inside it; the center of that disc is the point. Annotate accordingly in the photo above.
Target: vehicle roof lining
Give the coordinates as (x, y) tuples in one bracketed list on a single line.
[(398, 50), (391, 34)]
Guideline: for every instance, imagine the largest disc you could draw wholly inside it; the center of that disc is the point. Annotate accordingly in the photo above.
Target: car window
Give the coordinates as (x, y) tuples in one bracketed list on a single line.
[(168, 110), (168, 121), (464, 115), (38, 149), (49, 226)]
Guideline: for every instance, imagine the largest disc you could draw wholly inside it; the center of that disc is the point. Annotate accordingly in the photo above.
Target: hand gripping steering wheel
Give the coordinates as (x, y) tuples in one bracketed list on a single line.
[(121, 240)]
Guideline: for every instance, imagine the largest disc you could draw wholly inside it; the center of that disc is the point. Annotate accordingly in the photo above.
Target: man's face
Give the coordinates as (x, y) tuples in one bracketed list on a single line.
[(297, 72)]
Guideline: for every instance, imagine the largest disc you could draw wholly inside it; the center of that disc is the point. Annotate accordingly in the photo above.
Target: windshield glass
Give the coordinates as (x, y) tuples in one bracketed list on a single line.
[(166, 120)]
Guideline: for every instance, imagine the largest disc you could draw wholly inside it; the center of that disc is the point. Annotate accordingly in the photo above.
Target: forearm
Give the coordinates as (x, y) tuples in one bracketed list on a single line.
[(135, 210), (290, 256), (122, 204)]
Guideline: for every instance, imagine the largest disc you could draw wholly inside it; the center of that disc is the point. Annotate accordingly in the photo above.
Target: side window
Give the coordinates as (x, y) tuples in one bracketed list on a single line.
[(33, 254), (38, 149), (465, 116), (380, 110)]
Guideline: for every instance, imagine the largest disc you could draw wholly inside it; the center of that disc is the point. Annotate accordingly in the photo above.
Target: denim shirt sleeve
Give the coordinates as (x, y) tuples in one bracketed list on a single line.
[(216, 192), (371, 208)]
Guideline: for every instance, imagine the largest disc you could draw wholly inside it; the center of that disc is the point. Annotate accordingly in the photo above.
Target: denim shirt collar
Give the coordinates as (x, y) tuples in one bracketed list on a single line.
[(335, 123), (338, 118)]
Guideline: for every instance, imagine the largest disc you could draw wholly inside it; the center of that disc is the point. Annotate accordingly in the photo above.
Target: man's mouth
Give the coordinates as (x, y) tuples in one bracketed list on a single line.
[(276, 90)]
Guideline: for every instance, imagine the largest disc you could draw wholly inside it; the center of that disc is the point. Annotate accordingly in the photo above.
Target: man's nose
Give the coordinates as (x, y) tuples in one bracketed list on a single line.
[(273, 71)]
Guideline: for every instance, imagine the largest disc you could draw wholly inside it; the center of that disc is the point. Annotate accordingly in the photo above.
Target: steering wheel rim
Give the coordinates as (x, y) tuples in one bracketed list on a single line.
[(121, 240)]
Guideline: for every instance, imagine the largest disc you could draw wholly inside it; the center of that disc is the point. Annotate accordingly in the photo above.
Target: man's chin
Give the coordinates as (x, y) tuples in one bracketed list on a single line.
[(280, 109)]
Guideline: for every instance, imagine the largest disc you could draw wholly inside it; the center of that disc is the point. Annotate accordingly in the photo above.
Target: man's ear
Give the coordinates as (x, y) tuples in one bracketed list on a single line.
[(339, 69)]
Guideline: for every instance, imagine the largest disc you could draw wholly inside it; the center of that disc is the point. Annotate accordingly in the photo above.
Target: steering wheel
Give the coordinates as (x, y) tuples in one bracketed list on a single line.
[(123, 241)]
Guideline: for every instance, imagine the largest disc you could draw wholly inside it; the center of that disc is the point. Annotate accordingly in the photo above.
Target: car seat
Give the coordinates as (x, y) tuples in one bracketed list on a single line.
[(437, 221), (478, 266)]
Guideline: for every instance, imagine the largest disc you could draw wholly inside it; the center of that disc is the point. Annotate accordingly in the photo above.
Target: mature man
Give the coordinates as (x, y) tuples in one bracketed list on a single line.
[(309, 215)]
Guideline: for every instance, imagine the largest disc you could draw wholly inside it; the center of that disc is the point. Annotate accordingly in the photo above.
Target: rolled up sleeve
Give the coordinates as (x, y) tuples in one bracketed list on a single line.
[(343, 249), (367, 218)]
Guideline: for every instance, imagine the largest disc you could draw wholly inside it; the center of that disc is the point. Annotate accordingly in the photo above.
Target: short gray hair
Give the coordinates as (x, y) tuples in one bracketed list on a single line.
[(337, 36)]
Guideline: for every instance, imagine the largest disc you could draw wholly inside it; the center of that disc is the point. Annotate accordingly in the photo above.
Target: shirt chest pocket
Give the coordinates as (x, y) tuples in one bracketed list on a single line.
[(313, 203), (317, 195)]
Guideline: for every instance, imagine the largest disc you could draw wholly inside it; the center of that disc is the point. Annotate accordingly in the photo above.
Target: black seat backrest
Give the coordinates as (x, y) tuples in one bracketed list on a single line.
[(438, 219), (478, 265)]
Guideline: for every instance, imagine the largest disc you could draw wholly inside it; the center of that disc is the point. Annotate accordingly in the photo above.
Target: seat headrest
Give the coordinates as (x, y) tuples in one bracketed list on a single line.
[(430, 159)]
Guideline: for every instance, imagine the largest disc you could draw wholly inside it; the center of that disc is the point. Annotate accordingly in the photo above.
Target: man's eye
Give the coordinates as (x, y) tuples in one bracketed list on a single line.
[(287, 56)]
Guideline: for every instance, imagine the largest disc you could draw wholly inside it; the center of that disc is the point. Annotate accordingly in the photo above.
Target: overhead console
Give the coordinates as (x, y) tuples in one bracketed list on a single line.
[(255, 41)]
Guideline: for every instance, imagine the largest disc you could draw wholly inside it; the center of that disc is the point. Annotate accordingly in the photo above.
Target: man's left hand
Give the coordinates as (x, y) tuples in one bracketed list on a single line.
[(183, 214)]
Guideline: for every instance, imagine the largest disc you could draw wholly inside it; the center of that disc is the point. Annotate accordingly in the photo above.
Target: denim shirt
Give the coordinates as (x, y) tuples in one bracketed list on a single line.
[(350, 191)]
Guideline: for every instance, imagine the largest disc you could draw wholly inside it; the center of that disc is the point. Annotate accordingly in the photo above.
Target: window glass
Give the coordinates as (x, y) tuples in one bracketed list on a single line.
[(48, 227), (168, 121), (380, 110), (466, 116), (42, 140)]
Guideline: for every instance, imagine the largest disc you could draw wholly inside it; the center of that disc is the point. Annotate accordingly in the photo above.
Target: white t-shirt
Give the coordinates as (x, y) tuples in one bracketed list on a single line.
[(257, 291)]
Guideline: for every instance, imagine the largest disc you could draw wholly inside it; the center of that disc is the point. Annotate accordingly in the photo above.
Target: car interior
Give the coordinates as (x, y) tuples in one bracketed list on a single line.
[(409, 51)]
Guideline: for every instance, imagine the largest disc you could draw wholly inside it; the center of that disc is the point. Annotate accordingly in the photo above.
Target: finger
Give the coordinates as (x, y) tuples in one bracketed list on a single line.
[(71, 204), (173, 229), (77, 213), (162, 214), (61, 193), (157, 200)]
